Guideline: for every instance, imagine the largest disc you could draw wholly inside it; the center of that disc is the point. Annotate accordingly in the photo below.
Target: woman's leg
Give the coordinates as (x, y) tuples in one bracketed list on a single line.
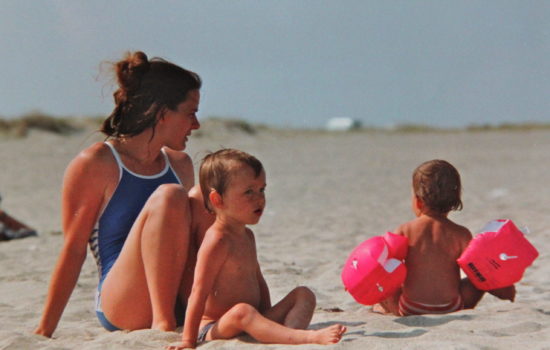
[(141, 288)]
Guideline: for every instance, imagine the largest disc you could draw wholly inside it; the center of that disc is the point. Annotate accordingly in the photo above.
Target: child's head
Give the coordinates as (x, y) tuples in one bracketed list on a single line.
[(437, 184), (218, 168)]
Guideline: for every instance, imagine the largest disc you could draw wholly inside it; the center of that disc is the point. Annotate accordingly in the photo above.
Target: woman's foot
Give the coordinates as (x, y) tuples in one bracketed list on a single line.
[(10, 228)]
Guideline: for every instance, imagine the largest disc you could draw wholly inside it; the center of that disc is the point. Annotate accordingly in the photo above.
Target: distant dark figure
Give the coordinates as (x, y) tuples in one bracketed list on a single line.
[(11, 228)]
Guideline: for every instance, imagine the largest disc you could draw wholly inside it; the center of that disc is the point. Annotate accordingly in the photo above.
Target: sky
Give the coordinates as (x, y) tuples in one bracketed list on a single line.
[(289, 63)]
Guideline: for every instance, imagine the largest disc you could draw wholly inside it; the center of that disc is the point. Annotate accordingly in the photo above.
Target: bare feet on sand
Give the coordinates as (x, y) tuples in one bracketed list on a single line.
[(328, 335), (11, 228), (388, 306)]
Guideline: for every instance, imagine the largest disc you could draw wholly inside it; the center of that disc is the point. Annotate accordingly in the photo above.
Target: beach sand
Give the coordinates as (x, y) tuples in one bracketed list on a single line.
[(326, 193)]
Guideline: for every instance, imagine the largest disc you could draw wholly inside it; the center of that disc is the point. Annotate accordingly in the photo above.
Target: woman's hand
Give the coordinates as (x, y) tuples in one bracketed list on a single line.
[(43, 332), (181, 346)]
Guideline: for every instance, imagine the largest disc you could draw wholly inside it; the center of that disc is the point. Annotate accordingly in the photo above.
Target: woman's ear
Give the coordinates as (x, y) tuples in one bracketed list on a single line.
[(161, 114), (215, 198)]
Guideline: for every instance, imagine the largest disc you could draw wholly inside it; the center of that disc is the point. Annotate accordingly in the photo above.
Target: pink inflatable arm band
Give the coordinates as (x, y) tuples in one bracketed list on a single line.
[(498, 256), (375, 270)]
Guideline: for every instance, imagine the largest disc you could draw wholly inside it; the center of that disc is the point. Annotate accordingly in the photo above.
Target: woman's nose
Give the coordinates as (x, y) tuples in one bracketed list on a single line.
[(195, 123)]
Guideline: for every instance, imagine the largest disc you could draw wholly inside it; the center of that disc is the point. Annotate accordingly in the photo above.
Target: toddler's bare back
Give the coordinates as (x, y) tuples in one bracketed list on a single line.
[(433, 276)]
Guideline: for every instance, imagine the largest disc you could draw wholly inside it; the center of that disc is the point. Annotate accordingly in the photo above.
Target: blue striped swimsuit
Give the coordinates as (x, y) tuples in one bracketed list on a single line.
[(118, 216)]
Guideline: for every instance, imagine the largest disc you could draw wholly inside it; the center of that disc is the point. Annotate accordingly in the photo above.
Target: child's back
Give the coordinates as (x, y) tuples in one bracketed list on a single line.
[(435, 242), (433, 283)]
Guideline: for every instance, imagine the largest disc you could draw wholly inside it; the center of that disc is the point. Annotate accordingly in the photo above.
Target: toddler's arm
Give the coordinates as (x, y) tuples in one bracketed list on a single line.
[(211, 256), (265, 298), (265, 301)]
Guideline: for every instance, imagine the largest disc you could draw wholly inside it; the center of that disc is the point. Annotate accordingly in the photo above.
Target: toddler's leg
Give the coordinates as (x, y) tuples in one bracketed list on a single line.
[(505, 293), (295, 310), (245, 318), (470, 294)]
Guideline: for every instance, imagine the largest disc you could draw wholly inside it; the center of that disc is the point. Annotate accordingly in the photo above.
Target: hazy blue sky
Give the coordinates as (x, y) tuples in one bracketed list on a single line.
[(290, 62)]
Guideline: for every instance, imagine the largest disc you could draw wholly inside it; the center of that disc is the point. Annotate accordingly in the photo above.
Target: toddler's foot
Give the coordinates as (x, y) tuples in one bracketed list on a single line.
[(505, 293), (379, 309), (387, 307), (329, 335)]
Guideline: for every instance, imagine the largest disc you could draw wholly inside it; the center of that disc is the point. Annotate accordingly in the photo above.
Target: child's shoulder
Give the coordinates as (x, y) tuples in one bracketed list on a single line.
[(462, 232), (215, 236), (408, 227), (459, 229)]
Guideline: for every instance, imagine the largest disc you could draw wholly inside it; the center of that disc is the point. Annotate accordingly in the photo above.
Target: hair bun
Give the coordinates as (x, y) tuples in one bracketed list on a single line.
[(131, 70)]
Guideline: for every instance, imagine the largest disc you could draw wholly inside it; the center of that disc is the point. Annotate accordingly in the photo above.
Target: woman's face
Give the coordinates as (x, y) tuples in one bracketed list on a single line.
[(179, 123)]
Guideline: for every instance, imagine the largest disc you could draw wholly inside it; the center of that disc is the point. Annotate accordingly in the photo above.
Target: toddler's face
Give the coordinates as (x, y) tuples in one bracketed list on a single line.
[(244, 199)]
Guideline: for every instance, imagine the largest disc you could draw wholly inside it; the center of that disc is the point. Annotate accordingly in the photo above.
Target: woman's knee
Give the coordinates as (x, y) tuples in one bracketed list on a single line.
[(170, 196)]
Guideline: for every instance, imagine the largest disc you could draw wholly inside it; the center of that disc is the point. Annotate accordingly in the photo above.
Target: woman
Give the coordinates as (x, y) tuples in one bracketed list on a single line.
[(128, 199)]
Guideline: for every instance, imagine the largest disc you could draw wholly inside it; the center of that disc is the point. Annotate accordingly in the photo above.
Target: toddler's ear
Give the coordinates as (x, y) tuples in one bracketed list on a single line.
[(215, 198), (418, 205)]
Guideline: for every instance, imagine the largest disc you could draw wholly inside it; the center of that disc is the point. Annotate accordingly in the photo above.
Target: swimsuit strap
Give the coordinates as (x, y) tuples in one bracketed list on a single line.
[(167, 165), (117, 158)]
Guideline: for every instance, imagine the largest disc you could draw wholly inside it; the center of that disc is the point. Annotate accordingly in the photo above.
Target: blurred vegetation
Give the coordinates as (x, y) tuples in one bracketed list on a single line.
[(20, 127), (509, 127), (212, 126)]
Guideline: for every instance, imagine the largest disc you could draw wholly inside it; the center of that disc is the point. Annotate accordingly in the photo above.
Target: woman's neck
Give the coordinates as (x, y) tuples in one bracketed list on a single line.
[(140, 149)]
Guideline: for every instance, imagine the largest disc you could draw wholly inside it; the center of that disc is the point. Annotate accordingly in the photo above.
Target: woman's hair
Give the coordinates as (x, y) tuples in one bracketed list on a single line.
[(146, 88), (217, 168), (437, 184)]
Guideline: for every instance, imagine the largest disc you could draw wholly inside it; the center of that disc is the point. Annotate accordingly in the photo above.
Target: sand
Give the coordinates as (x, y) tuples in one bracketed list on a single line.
[(326, 193)]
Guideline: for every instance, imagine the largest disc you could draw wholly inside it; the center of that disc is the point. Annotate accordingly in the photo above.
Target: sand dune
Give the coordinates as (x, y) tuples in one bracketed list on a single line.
[(326, 193)]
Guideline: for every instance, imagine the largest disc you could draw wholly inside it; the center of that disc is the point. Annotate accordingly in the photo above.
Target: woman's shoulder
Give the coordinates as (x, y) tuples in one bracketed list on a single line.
[(182, 165), (177, 156), (94, 160)]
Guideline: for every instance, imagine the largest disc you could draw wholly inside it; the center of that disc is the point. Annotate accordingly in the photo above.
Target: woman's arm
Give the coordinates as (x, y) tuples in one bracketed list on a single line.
[(83, 193), (183, 166), (201, 219)]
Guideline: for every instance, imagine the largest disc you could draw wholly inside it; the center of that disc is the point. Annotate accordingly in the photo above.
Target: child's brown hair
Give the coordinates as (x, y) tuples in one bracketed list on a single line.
[(437, 184), (216, 170)]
